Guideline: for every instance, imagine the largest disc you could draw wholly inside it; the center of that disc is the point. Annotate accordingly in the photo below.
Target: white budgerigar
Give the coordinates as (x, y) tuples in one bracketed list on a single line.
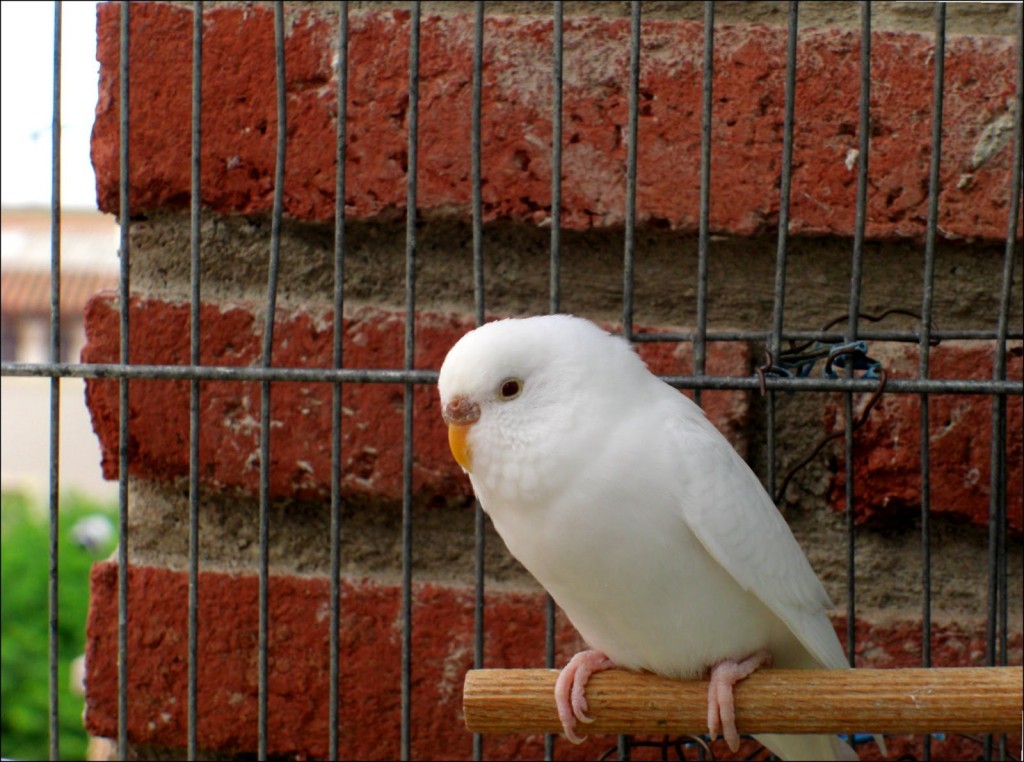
[(648, 529)]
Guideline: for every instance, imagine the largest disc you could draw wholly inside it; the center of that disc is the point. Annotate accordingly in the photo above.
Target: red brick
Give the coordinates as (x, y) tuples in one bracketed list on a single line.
[(372, 417), (239, 121), (887, 455), (229, 435), (298, 659), (298, 662)]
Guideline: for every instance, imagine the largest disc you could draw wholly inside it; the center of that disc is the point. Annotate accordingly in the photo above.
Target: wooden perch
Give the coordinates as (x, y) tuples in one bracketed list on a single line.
[(968, 700)]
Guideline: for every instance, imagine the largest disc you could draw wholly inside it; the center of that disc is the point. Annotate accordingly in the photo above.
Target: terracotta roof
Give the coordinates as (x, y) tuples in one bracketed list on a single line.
[(27, 292)]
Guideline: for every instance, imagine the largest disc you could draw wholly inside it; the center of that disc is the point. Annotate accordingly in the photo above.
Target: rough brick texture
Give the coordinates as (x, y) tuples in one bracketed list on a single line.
[(887, 455), (372, 413), (239, 121), (370, 658), (238, 147), (298, 657)]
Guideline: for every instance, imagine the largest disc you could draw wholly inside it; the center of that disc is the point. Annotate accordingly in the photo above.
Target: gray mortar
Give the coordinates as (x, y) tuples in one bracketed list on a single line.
[(968, 18), (741, 272), (888, 566), (961, 18), (371, 543)]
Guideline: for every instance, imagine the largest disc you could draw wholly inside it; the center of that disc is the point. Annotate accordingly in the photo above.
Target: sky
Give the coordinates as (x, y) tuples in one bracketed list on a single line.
[(26, 102)]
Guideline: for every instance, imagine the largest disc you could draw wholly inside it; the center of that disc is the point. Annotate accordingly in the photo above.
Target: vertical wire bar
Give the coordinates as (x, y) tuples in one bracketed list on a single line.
[(700, 340), (851, 536), (555, 289), (476, 171), (554, 297), (787, 162), (629, 244), (624, 748), (334, 699), (193, 455), (856, 278), (863, 148), (55, 341), (780, 260), (998, 581), (122, 445), (1012, 225), (266, 360), (631, 133), (924, 350), (410, 360), (479, 521)]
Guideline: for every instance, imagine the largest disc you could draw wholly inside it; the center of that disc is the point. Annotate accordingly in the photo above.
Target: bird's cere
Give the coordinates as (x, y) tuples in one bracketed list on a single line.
[(461, 411), (460, 414)]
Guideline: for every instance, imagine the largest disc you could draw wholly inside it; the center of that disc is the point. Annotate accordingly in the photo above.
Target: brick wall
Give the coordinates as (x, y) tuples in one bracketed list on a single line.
[(239, 124)]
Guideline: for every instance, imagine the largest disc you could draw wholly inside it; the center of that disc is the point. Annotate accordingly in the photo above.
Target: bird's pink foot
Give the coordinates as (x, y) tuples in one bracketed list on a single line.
[(571, 686), (721, 707)]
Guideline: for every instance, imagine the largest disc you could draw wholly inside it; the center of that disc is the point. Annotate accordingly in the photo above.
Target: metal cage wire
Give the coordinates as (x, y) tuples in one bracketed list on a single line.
[(997, 388)]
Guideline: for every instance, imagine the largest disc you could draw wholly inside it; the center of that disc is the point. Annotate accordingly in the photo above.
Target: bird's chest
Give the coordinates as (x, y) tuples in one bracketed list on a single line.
[(636, 582)]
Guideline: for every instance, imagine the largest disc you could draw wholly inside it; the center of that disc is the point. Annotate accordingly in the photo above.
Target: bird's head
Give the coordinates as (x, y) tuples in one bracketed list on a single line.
[(513, 392)]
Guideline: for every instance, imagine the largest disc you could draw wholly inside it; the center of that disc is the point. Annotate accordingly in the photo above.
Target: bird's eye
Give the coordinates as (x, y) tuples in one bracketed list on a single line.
[(510, 389)]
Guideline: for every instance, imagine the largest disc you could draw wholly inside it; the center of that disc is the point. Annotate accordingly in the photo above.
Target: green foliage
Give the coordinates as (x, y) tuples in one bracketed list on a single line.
[(24, 628)]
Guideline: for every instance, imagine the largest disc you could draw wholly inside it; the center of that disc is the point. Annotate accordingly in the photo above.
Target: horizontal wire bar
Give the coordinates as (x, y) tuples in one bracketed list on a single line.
[(398, 376), (893, 385), (827, 336), (219, 373)]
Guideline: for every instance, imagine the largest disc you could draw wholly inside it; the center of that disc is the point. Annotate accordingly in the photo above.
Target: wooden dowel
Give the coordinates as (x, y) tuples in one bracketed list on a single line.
[(967, 700)]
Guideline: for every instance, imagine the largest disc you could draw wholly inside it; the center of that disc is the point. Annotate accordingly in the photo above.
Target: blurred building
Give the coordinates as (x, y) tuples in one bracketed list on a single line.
[(89, 263)]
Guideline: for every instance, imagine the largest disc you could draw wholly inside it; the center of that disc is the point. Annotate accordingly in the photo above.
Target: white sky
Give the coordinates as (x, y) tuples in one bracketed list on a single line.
[(26, 102)]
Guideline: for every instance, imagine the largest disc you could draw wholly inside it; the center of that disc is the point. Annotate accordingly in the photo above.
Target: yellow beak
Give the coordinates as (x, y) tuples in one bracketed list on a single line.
[(457, 441)]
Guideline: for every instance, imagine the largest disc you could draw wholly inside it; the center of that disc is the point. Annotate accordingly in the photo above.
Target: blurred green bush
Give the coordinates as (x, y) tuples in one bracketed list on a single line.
[(87, 532)]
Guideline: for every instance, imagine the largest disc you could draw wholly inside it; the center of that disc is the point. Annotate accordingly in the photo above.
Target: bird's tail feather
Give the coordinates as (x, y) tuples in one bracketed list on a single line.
[(794, 747)]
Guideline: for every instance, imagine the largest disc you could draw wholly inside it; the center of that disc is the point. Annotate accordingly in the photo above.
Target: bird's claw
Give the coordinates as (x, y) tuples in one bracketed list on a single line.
[(721, 706), (570, 690)]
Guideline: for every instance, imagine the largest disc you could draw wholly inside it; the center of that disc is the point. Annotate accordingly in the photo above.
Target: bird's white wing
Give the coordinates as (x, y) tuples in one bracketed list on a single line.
[(731, 514)]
